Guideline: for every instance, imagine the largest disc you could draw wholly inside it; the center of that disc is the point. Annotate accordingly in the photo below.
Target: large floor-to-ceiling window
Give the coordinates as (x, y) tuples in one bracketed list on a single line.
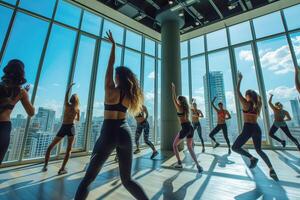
[(61, 43)]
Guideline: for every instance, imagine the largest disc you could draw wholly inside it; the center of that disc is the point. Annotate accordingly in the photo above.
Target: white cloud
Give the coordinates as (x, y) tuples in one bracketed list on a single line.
[(230, 101), (149, 96), (246, 55), (56, 84), (283, 92), (151, 75)]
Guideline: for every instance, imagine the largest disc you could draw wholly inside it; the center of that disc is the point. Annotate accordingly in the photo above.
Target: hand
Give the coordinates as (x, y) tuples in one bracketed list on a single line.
[(110, 37), (71, 85), (214, 98), (271, 94), (173, 86), (240, 76), (27, 88)]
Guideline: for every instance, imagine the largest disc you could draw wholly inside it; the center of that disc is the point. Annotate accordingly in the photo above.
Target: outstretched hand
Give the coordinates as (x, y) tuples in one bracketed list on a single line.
[(71, 85), (110, 37), (240, 76), (271, 95), (27, 88), (173, 86)]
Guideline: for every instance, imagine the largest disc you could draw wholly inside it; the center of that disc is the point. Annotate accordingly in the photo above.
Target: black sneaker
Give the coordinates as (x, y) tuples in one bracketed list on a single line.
[(44, 169), (137, 151), (178, 166), (229, 151), (273, 175), (283, 143), (203, 150), (154, 154), (253, 163), (216, 145), (299, 147), (200, 169)]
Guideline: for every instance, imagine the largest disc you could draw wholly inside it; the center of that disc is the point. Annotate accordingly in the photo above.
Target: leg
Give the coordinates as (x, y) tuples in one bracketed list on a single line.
[(241, 140), (55, 141), (176, 142), (272, 134), (189, 142), (225, 133), (124, 152), (214, 132), (5, 130), (146, 136), (102, 149), (286, 130), (68, 152), (138, 132)]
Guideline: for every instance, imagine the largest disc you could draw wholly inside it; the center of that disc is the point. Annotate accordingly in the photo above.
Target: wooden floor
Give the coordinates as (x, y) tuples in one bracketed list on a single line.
[(224, 177)]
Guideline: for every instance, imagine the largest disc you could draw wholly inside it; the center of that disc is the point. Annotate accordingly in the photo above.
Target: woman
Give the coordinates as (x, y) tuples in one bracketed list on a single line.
[(222, 115), (196, 115), (143, 125), (11, 92), (187, 131), (251, 108), (120, 94), (281, 116), (71, 114)]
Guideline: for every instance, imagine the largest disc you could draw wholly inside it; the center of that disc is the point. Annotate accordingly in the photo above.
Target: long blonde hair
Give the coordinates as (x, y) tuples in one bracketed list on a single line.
[(130, 87), (74, 100)]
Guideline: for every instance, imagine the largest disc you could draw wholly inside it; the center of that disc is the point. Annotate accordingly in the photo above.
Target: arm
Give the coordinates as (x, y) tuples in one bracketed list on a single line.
[(213, 104), (297, 78), (228, 115), (146, 111), (288, 116), (174, 96), (67, 94), (29, 108), (200, 113), (241, 97), (78, 116), (270, 102), (109, 80)]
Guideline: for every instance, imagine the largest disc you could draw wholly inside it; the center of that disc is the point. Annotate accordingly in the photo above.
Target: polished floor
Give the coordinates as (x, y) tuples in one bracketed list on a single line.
[(224, 177)]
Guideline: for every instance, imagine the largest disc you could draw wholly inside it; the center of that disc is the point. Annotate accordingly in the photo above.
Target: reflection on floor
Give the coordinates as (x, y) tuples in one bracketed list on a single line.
[(224, 177)]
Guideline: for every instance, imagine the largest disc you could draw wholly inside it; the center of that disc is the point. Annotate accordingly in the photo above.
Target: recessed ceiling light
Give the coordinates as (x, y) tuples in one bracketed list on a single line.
[(171, 2), (181, 14), (197, 23)]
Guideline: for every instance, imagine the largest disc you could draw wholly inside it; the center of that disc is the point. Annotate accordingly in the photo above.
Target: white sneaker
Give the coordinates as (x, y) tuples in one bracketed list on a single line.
[(178, 166), (61, 172)]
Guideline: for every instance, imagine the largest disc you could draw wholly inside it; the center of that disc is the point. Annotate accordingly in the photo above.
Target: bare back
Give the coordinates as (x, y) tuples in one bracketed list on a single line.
[(70, 114)]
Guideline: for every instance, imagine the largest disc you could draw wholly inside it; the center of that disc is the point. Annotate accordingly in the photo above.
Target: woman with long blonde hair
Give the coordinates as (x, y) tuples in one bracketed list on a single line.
[(71, 114), (121, 94)]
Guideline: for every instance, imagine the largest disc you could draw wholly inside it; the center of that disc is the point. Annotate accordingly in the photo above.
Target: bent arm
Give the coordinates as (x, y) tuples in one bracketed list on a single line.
[(288, 116), (201, 114), (270, 103), (29, 108), (228, 116)]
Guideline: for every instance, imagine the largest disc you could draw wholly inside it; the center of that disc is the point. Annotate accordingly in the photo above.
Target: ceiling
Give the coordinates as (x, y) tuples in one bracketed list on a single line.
[(196, 13)]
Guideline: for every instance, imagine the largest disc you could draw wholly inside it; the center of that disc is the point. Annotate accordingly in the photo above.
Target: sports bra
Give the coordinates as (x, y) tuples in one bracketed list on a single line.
[(7, 107), (141, 114), (195, 113), (250, 110), (116, 107), (180, 114), (222, 115)]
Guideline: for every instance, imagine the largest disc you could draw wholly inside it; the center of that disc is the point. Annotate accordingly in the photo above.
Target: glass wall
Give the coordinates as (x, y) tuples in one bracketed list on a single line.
[(263, 55), (66, 45)]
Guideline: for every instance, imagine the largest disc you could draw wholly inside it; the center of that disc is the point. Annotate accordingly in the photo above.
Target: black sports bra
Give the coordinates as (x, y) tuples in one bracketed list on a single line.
[(180, 114), (250, 111), (116, 107), (7, 107)]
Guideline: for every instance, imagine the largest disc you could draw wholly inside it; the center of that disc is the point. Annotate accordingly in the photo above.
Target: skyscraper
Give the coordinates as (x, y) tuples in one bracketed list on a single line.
[(296, 111), (46, 118)]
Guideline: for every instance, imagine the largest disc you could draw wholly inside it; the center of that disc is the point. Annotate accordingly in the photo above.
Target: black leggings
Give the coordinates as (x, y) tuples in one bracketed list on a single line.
[(219, 127), (253, 131), (197, 126), (5, 129), (139, 129), (287, 132), (114, 134)]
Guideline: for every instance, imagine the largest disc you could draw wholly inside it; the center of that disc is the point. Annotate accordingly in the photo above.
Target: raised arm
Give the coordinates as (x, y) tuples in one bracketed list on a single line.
[(29, 108), (174, 96), (109, 80), (241, 97), (146, 111), (213, 104), (270, 102), (297, 78), (288, 116), (67, 94)]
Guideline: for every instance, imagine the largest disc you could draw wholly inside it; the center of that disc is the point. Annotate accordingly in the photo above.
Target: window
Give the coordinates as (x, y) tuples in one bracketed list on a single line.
[(197, 45), (51, 92), (216, 40), (292, 17), (132, 60), (184, 49), (44, 7), (273, 21), (10, 1), (185, 79), (5, 16), (158, 133), (295, 37), (116, 30), (82, 77), (276, 62), (198, 69), (159, 50), (23, 37), (220, 86), (149, 47), (98, 108), (68, 14), (133, 40), (240, 33), (91, 23)]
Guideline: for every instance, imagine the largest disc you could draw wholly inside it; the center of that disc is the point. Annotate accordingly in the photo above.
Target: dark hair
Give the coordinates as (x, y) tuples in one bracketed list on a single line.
[(255, 100), (220, 103), (13, 79), (129, 85), (184, 104)]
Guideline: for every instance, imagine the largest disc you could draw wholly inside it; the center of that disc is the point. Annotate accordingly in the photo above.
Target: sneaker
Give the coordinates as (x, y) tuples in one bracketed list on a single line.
[(229, 151), (283, 143), (200, 169), (154, 154), (178, 166), (62, 171), (216, 145), (273, 174), (44, 169), (203, 150), (137, 151), (299, 147), (253, 163)]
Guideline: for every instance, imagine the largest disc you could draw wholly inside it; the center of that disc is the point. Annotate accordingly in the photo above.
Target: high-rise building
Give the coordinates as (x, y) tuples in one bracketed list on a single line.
[(40, 141), (46, 119), (296, 111)]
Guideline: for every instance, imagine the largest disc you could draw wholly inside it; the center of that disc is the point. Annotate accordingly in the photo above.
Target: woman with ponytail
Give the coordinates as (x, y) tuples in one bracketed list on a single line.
[(121, 94), (187, 131), (11, 92), (251, 105)]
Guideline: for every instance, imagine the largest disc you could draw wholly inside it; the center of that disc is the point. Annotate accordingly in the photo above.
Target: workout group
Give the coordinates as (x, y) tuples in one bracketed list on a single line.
[(122, 94)]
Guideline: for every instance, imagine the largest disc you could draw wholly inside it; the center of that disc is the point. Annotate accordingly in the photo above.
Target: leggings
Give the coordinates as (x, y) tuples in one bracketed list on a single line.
[(114, 134), (217, 129), (287, 132), (5, 129), (139, 129), (253, 131), (197, 126)]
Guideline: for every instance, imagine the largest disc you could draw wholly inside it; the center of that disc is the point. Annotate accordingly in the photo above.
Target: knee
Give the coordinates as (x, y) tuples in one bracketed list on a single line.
[(126, 181), (235, 147)]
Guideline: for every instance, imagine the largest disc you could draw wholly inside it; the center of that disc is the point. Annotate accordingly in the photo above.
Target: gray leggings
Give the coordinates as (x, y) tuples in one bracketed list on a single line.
[(114, 134), (139, 129)]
